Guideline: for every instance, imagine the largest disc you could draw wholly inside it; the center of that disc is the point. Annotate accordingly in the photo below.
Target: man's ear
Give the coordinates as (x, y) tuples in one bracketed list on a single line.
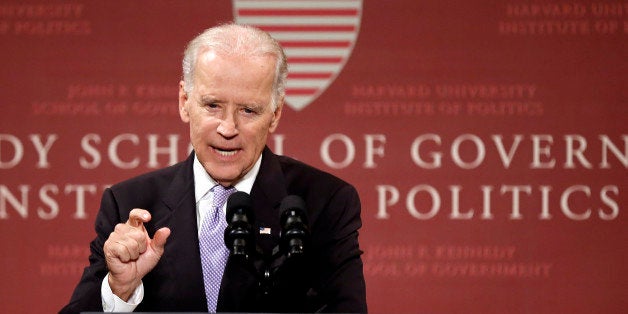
[(276, 116), (183, 99)]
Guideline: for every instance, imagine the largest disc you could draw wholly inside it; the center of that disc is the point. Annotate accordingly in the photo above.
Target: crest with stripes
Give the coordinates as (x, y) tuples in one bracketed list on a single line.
[(317, 37)]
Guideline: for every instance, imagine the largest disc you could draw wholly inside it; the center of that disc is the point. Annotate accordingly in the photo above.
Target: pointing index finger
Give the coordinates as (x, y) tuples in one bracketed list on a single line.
[(138, 216)]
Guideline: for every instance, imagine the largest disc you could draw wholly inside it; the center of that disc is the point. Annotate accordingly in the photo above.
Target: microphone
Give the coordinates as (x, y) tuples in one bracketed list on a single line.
[(239, 236), (294, 226)]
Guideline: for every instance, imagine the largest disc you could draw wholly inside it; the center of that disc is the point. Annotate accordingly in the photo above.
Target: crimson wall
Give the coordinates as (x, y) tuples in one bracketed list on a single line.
[(487, 139)]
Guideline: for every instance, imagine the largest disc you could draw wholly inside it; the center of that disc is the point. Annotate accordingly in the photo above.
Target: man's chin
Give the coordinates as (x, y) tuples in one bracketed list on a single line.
[(225, 179)]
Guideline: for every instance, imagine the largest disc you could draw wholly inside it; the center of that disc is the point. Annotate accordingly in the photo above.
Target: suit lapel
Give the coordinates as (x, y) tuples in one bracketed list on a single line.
[(181, 260), (268, 191)]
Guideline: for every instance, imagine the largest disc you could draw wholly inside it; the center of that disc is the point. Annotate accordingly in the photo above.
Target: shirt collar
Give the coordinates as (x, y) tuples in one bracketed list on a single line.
[(203, 182)]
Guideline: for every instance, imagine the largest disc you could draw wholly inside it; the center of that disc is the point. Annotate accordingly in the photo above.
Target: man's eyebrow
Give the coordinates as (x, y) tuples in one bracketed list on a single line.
[(254, 106), (251, 104), (208, 99)]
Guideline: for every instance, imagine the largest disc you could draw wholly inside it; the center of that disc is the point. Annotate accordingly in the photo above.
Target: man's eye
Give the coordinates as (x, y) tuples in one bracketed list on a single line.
[(248, 110)]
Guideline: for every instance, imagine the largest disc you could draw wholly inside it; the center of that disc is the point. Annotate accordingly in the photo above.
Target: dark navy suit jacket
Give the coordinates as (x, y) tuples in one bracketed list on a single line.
[(329, 279)]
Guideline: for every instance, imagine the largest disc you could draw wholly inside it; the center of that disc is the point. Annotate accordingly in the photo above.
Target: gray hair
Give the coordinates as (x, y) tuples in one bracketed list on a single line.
[(238, 39)]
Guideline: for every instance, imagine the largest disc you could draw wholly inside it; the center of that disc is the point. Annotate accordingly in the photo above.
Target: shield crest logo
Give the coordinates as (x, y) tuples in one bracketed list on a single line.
[(317, 36)]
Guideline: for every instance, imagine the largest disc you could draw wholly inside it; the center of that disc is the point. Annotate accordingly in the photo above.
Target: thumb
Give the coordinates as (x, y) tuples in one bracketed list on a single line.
[(159, 240)]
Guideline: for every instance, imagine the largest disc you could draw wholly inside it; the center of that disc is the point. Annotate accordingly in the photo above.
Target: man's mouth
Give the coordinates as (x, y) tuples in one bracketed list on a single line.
[(225, 152)]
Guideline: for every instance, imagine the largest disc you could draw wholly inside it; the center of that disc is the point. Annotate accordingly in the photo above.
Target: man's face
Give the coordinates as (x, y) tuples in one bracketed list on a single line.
[(229, 112)]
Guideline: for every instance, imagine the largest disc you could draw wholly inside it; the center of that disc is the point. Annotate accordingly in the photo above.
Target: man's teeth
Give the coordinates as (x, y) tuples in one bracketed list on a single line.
[(226, 152)]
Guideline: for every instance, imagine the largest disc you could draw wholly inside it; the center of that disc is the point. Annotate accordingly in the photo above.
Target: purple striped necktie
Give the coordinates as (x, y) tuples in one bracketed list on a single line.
[(214, 253)]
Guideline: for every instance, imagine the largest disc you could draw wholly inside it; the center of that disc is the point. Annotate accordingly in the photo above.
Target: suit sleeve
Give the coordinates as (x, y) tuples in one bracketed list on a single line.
[(86, 296), (342, 289)]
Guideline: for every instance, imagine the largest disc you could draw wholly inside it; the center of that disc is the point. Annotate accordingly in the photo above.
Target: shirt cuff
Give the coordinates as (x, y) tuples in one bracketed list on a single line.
[(112, 303)]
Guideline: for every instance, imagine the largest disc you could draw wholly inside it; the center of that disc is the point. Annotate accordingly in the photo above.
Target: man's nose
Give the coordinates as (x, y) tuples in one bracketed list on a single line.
[(228, 126)]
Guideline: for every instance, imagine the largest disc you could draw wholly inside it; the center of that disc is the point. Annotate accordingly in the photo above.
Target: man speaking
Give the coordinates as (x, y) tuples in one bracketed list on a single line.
[(160, 243)]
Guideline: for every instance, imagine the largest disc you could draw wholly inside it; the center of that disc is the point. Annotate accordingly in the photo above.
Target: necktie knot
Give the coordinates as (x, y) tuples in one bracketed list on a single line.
[(221, 194)]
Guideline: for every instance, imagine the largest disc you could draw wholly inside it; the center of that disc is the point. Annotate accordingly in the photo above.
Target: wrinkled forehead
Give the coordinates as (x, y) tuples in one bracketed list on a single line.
[(235, 74)]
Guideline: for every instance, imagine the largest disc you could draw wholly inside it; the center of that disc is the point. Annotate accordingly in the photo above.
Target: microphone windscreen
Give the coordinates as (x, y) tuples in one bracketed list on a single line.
[(239, 201), (295, 203)]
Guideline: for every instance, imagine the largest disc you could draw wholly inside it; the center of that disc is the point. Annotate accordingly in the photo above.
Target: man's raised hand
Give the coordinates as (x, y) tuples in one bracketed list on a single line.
[(130, 253)]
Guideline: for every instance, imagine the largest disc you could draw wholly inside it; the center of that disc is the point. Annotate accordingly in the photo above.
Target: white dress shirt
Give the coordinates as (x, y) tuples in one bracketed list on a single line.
[(203, 184)]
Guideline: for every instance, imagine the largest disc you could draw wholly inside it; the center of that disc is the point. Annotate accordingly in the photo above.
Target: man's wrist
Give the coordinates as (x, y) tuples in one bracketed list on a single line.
[(122, 290), (113, 303)]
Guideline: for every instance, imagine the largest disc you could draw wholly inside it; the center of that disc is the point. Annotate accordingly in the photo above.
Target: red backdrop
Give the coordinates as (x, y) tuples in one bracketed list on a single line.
[(487, 140)]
